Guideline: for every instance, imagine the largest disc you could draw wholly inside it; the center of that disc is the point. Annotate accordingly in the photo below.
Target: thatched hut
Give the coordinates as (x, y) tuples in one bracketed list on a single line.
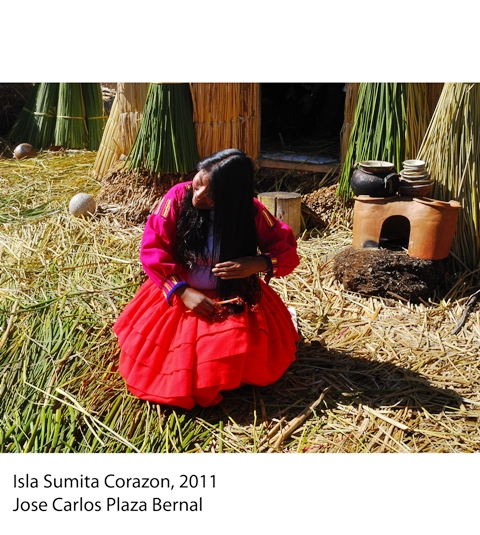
[(269, 121)]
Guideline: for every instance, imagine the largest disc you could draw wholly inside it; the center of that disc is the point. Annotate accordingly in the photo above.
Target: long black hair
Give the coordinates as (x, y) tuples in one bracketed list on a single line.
[(234, 232)]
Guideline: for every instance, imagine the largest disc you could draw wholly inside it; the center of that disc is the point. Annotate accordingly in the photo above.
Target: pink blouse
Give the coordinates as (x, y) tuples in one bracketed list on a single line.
[(275, 240)]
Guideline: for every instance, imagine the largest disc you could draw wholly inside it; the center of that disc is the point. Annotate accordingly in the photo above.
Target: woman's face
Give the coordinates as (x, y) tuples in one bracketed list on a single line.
[(202, 199)]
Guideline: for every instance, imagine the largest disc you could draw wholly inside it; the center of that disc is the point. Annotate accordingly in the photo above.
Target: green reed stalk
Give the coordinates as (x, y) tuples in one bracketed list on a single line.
[(95, 114), (71, 126), (379, 129), (451, 150), (36, 122), (166, 141)]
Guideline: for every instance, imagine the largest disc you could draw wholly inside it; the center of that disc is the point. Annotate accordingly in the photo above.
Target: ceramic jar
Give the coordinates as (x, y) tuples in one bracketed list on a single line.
[(375, 178)]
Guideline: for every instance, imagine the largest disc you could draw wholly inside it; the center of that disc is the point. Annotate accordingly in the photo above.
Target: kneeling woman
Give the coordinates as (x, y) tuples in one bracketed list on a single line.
[(204, 321)]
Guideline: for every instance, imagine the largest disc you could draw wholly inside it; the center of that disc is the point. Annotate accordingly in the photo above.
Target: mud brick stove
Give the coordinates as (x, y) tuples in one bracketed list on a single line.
[(427, 226), (401, 238)]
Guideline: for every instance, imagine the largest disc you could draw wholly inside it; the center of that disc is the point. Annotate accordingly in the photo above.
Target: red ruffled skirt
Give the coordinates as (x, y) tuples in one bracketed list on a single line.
[(171, 356)]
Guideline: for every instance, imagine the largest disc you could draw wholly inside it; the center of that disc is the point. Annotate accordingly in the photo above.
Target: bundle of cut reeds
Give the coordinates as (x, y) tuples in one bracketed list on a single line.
[(451, 150), (378, 132), (95, 113), (351, 98), (227, 115), (122, 126), (165, 142), (390, 123), (21, 129), (417, 118), (71, 126), (434, 90), (36, 121)]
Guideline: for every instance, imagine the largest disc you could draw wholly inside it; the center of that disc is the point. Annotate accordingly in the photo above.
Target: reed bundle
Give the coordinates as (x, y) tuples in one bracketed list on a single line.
[(351, 98), (71, 126), (378, 132), (36, 121), (390, 122), (22, 126), (122, 126), (451, 150), (417, 118), (67, 115), (434, 90), (165, 142), (371, 375), (227, 115), (95, 114), (108, 152)]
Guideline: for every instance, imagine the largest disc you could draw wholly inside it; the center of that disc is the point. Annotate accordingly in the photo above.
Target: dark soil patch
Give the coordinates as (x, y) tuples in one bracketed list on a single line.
[(324, 208), (386, 273), (132, 194), (135, 194)]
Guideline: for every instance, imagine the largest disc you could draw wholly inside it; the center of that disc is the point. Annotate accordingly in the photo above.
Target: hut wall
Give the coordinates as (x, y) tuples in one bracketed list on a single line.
[(227, 115)]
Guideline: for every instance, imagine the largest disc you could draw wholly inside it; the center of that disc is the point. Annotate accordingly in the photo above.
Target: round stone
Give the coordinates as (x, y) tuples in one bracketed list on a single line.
[(82, 204), (24, 150)]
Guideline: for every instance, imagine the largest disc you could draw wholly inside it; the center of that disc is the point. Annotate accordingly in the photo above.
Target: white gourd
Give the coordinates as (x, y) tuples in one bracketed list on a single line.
[(82, 204)]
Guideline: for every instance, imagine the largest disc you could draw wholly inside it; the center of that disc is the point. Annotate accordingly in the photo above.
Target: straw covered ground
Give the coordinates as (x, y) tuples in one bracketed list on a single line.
[(372, 374)]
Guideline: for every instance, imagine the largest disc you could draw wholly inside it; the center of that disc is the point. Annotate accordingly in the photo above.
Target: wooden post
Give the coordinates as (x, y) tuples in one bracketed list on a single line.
[(284, 205)]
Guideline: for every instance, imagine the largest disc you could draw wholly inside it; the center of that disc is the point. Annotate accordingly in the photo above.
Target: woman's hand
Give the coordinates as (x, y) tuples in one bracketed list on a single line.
[(241, 267), (197, 302)]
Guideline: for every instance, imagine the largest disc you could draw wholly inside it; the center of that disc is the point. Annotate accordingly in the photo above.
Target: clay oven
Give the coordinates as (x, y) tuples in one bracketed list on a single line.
[(427, 226)]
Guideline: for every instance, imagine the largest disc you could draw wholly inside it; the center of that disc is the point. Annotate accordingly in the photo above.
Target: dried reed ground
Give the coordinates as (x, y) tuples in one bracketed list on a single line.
[(372, 375)]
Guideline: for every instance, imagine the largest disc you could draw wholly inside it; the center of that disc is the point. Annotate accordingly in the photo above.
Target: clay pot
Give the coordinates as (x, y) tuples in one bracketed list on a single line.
[(415, 189), (24, 150), (375, 178)]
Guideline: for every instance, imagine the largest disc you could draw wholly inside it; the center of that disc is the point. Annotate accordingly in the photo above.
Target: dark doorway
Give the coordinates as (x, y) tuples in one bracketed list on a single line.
[(303, 118)]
